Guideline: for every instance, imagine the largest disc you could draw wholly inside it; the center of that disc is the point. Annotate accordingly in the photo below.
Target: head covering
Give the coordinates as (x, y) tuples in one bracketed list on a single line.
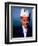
[(24, 12)]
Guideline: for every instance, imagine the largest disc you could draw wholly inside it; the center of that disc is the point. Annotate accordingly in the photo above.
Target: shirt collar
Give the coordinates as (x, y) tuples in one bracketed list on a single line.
[(24, 29)]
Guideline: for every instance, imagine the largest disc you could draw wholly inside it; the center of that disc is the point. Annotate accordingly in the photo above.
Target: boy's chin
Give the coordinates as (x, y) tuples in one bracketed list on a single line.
[(26, 26)]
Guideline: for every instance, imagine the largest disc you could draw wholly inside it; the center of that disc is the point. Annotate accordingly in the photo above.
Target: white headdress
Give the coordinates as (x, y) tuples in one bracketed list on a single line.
[(24, 12)]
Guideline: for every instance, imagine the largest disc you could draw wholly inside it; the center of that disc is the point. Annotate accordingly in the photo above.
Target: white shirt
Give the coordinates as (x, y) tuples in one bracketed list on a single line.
[(24, 31)]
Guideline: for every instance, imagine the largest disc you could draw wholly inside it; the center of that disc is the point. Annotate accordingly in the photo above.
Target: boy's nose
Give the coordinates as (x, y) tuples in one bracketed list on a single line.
[(27, 23)]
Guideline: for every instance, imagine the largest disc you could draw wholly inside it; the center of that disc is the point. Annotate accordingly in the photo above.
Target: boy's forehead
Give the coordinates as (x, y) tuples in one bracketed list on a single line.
[(24, 17)]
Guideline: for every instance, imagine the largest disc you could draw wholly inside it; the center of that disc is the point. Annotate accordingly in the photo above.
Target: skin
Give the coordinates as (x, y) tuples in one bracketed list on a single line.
[(25, 21)]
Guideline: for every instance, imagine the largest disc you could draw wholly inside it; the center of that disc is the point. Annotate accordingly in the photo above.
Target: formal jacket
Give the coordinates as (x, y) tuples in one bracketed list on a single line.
[(18, 32)]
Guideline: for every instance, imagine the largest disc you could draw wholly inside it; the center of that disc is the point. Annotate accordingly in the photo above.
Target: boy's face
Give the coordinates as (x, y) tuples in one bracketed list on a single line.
[(25, 21)]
